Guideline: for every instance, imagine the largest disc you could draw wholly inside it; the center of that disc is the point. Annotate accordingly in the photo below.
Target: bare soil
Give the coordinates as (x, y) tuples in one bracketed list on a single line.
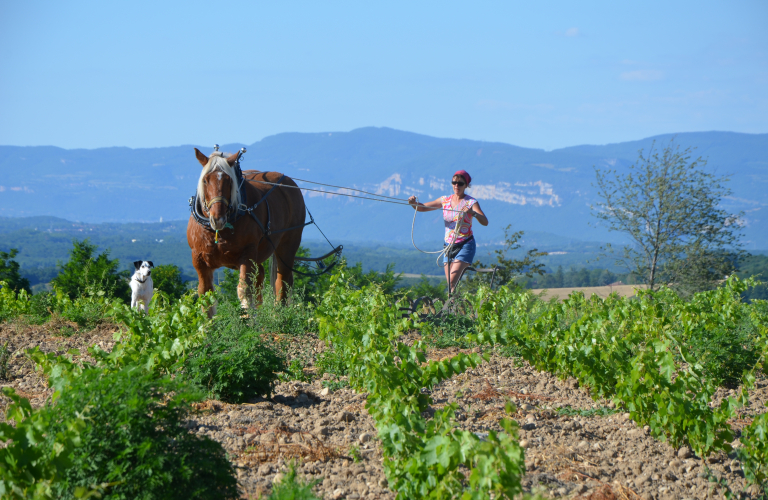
[(332, 439)]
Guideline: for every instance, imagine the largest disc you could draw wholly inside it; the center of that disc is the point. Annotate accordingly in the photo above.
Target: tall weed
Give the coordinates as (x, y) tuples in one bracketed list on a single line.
[(233, 364)]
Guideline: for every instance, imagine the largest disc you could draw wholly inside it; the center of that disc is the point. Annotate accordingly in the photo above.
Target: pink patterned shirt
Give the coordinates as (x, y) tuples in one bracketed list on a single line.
[(451, 216)]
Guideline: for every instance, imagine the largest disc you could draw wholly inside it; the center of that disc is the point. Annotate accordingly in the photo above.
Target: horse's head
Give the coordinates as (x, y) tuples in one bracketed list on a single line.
[(217, 187)]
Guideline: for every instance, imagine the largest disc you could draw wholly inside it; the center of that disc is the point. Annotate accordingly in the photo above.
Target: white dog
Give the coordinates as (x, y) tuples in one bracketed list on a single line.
[(141, 284)]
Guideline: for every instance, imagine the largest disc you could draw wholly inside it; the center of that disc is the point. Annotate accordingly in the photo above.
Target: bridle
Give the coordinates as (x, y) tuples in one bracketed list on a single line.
[(230, 209), (218, 199)]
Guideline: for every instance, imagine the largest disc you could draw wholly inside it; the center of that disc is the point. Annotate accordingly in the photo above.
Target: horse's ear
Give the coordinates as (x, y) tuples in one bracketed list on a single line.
[(232, 159), (201, 157)]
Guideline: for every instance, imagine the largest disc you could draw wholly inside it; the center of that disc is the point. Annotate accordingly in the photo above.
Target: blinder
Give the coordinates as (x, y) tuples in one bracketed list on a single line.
[(231, 209)]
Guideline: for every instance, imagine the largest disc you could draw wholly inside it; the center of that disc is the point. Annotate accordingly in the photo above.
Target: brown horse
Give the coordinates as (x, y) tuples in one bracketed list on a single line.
[(242, 243)]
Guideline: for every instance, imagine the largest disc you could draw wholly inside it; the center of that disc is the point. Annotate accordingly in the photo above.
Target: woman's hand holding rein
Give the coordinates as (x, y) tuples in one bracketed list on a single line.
[(421, 207)]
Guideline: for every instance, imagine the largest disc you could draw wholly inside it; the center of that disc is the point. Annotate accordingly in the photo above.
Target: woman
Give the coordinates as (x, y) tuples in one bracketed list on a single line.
[(458, 208)]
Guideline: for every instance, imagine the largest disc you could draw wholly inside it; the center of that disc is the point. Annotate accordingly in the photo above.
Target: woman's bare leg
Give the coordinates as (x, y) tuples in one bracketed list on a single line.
[(456, 268)]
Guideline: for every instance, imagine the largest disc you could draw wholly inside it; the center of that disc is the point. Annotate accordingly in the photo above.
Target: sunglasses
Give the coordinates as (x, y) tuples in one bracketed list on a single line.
[(457, 183)]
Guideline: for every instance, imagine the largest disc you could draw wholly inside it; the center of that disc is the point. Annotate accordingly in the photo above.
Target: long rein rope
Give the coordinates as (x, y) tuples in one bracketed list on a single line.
[(398, 201)]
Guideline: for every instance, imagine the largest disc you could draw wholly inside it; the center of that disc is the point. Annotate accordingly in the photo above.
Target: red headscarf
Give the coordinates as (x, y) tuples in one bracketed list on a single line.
[(465, 174)]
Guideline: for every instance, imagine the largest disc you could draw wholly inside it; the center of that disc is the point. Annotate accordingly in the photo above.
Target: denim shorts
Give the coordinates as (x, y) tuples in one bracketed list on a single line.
[(466, 254)]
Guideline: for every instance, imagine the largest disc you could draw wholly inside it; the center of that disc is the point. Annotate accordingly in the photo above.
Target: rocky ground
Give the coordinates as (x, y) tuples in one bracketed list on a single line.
[(575, 447)]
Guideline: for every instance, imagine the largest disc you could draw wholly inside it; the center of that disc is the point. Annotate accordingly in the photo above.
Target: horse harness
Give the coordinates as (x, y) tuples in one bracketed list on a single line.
[(234, 214)]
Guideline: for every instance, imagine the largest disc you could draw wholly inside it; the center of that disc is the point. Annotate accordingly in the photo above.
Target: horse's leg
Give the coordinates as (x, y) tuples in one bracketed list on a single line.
[(205, 284), (244, 290), (259, 284), (285, 260)]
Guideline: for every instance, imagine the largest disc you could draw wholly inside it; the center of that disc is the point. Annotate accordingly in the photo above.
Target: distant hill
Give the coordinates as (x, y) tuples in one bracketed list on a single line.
[(534, 190)]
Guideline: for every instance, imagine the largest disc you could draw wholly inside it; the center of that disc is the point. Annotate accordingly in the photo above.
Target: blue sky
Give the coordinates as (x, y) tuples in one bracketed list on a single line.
[(534, 74)]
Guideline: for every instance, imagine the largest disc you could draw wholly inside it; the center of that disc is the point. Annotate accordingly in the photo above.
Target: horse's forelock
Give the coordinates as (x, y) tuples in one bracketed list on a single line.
[(219, 162)]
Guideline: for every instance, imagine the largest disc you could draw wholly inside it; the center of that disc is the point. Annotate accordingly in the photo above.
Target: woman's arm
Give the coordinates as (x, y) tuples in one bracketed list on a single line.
[(425, 207), (477, 212)]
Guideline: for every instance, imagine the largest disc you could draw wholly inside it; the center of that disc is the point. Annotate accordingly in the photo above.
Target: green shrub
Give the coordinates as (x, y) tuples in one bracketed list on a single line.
[(295, 371), (727, 351), (317, 287), (135, 439), (12, 304), (291, 317), (30, 469), (754, 453), (41, 306), (167, 278), (448, 330), (334, 360), (84, 272), (233, 364), (87, 310)]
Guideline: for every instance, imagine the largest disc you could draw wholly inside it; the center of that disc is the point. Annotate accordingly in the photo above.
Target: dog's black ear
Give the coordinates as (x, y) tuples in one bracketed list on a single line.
[(150, 263), (137, 264)]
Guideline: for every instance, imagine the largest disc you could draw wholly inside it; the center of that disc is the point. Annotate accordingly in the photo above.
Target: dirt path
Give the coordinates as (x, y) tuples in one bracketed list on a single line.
[(333, 440)]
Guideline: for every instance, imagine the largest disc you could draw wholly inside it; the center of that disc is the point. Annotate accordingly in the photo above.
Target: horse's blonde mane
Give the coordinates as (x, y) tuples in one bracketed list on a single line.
[(217, 161)]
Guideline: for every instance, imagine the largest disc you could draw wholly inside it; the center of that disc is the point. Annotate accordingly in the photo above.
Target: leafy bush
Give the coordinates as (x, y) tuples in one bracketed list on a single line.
[(233, 364), (291, 317), (12, 304), (334, 360), (134, 444), (168, 279), (31, 470), (157, 343), (87, 310), (84, 272), (754, 453), (161, 340), (387, 281), (135, 441), (448, 330), (41, 306), (726, 351)]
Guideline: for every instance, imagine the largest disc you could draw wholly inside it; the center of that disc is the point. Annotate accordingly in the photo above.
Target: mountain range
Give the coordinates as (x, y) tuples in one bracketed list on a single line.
[(530, 189)]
